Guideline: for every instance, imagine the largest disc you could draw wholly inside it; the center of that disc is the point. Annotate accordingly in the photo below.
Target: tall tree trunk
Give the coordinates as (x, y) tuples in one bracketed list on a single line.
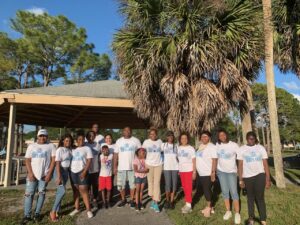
[(246, 125), (263, 135), (269, 147), (269, 65)]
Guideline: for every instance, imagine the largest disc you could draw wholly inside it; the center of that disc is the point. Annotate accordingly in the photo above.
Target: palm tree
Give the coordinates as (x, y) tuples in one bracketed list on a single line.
[(186, 63), (269, 66)]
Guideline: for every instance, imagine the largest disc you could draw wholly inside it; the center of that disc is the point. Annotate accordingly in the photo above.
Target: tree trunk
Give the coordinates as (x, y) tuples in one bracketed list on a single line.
[(246, 125), (269, 147), (269, 65), (263, 135)]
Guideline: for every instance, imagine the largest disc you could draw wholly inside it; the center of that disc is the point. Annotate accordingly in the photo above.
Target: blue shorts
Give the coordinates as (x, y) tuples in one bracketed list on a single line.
[(139, 180), (76, 179)]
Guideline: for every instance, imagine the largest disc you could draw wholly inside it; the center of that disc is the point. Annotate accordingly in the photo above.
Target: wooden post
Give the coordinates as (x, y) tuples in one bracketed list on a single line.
[(21, 138), (16, 133), (10, 144)]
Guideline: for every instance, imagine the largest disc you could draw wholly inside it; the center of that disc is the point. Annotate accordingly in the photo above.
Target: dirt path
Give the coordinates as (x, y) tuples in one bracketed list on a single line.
[(125, 216)]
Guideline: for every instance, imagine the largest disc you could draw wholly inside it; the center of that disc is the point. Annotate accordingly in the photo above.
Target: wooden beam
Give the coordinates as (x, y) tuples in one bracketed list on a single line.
[(76, 116), (10, 145), (69, 100)]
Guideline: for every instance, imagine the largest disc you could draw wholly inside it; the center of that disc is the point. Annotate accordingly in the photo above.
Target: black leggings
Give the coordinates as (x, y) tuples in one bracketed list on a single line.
[(255, 187), (206, 184)]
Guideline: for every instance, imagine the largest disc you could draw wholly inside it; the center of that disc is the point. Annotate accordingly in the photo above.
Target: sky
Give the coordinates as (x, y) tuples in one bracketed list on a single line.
[(101, 20)]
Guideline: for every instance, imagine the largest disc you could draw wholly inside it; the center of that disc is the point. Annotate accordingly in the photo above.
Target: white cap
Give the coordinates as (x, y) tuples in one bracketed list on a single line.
[(42, 132), (104, 144)]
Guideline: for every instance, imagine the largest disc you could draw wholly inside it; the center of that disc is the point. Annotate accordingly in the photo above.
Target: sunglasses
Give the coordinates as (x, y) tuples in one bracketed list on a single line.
[(42, 135)]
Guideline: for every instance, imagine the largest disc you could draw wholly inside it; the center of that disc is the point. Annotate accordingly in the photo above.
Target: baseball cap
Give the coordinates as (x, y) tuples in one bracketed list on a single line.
[(42, 132), (104, 145)]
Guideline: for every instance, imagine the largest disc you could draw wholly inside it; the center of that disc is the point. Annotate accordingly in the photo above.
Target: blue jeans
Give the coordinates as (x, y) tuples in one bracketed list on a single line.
[(61, 189), (31, 188), (228, 182)]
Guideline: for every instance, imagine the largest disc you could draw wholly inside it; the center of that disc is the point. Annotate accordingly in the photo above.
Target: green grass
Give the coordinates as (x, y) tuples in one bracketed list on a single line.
[(282, 208), (14, 200)]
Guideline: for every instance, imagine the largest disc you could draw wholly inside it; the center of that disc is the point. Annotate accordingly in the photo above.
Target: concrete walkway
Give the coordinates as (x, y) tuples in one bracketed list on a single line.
[(125, 216)]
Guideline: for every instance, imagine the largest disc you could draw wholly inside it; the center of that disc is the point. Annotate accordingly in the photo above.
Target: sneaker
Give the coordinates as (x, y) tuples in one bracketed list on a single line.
[(89, 214), (172, 205), (142, 206), (25, 220), (132, 204), (212, 211), (237, 218), (151, 205), (37, 217), (122, 204), (186, 209), (156, 208), (167, 205), (137, 208), (74, 212), (227, 215)]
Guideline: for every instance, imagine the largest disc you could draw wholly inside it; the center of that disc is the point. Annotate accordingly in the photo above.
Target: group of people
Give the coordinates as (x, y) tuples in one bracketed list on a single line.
[(93, 162)]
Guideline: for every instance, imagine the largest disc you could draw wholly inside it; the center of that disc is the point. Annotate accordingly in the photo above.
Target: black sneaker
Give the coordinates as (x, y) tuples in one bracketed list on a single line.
[(167, 205), (37, 218), (132, 204), (122, 204), (141, 206), (137, 207), (25, 220), (172, 205)]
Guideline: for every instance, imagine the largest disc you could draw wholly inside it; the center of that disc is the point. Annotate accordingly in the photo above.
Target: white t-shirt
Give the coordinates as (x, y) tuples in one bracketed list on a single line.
[(99, 139), (106, 165), (185, 155), (79, 158), (204, 159), (153, 149), (125, 148), (64, 156), (227, 157), (170, 156), (252, 157), (95, 147), (40, 155)]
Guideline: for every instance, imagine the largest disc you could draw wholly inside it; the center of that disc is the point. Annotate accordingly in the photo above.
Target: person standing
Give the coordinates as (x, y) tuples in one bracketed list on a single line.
[(98, 137), (170, 150), (94, 168), (63, 161), (154, 164), (40, 163), (187, 170), (254, 175), (227, 174), (206, 163), (123, 164), (81, 161), (108, 139)]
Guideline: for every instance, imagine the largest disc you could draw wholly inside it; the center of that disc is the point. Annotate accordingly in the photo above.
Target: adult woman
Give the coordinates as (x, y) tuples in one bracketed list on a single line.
[(170, 150), (109, 141), (63, 160), (187, 170), (154, 164), (94, 168), (254, 175), (206, 163), (227, 174), (81, 160)]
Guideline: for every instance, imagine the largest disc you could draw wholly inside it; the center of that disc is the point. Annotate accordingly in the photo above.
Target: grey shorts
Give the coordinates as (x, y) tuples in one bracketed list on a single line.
[(171, 180), (124, 176)]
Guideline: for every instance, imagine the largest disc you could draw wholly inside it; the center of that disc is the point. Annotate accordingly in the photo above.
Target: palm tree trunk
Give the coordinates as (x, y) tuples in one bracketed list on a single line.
[(263, 135), (269, 65), (246, 125), (269, 147)]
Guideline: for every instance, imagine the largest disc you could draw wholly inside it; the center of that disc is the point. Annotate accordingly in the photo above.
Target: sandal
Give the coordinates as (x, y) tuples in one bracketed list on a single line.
[(53, 217)]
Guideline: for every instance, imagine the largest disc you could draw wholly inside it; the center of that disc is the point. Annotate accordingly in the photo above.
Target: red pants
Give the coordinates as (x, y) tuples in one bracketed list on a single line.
[(187, 185)]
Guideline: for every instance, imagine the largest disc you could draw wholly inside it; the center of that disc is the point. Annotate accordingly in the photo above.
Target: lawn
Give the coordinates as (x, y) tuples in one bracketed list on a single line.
[(282, 208)]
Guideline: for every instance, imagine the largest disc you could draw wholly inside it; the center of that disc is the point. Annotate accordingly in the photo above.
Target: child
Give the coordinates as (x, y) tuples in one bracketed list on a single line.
[(140, 176), (105, 181)]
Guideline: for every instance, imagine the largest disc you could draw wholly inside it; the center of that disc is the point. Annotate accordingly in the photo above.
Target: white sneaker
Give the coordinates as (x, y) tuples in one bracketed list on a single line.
[(89, 214), (237, 218), (74, 212), (186, 209), (227, 215)]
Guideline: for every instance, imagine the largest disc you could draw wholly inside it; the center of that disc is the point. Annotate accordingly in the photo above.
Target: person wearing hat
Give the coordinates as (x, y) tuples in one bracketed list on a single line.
[(40, 163), (105, 175), (170, 150)]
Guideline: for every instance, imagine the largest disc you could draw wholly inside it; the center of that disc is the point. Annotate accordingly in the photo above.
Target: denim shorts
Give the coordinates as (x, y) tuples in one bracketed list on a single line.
[(75, 177), (140, 180)]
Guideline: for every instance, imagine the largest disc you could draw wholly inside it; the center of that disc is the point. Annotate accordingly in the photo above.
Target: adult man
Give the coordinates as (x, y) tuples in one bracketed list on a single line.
[(40, 162), (99, 138), (123, 158)]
